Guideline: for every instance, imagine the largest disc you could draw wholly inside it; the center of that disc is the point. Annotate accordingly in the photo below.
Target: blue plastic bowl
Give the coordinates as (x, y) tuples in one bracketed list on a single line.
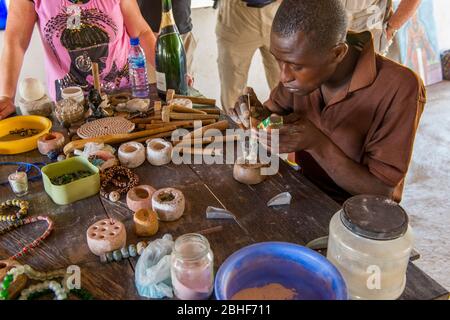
[(295, 267)]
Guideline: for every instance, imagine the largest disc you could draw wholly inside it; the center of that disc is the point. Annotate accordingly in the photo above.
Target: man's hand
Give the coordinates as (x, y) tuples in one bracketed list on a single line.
[(241, 112), (6, 107), (296, 134)]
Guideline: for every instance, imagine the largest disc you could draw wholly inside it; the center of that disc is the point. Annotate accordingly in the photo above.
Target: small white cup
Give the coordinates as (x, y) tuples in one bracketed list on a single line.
[(75, 93)]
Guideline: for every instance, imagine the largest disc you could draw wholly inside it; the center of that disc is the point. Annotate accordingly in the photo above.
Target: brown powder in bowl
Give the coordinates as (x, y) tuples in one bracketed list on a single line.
[(273, 291)]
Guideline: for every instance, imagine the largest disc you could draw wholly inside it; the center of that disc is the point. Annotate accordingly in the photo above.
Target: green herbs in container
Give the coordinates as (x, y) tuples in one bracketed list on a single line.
[(71, 180)]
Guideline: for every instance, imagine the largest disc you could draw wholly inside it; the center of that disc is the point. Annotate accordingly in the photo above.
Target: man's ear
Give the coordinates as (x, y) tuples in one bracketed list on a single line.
[(339, 52)]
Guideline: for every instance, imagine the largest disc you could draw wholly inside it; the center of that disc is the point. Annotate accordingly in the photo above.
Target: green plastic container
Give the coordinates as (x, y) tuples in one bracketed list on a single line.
[(76, 190)]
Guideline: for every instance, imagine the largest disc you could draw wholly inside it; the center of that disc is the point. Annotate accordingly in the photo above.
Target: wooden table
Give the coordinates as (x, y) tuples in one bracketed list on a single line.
[(203, 185)]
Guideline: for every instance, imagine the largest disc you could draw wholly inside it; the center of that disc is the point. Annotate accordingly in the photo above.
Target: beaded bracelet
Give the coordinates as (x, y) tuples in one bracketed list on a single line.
[(124, 253), (18, 223), (21, 204), (111, 176)]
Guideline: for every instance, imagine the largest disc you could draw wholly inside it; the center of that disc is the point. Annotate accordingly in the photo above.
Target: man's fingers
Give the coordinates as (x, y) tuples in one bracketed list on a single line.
[(232, 114), (292, 118), (249, 90)]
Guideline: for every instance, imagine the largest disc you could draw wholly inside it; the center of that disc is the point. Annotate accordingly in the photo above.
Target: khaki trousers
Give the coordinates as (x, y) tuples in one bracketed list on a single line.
[(241, 31), (190, 44)]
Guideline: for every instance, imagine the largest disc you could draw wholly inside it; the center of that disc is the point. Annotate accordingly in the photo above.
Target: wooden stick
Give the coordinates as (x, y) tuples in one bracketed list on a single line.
[(197, 100), (157, 107), (207, 140), (115, 138), (170, 94), (212, 111), (184, 124), (96, 76), (221, 125), (210, 230), (145, 120), (159, 135), (183, 109), (198, 151), (192, 116)]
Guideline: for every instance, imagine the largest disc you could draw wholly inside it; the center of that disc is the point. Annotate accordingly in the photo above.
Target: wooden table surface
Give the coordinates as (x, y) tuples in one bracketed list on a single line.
[(305, 219)]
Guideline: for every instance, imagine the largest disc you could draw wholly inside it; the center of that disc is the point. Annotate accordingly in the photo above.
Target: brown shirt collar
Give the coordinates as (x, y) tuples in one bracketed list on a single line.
[(365, 71), (366, 68)]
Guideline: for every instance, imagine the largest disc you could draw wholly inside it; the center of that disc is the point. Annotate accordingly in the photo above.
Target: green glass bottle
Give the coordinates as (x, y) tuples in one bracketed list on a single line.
[(171, 69)]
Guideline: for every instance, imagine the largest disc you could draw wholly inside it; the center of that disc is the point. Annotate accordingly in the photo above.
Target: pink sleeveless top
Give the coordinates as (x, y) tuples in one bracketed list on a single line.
[(77, 35)]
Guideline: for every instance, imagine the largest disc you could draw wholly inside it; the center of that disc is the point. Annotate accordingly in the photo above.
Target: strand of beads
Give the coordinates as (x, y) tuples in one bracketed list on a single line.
[(18, 223), (12, 275), (115, 176), (82, 294), (124, 253), (21, 204), (60, 293)]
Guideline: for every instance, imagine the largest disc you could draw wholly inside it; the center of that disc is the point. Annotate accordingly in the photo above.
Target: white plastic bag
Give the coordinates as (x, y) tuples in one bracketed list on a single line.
[(152, 274)]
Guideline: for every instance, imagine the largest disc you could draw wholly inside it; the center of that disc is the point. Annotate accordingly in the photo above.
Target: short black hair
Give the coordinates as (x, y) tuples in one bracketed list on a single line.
[(323, 21)]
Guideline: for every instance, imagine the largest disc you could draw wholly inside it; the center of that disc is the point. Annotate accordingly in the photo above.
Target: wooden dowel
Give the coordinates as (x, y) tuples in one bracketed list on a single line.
[(96, 76), (210, 230), (185, 124), (183, 109), (115, 138), (145, 120), (198, 151), (221, 125), (212, 111), (197, 100), (192, 116), (159, 135), (207, 140)]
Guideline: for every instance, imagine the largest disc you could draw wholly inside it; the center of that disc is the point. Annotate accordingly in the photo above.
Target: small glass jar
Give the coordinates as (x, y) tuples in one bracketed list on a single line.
[(192, 267), (19, 183), (370, 243)]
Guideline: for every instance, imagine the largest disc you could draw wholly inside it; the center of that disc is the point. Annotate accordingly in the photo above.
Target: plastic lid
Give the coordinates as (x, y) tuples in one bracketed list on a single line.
[(134, 41), (374, 217)]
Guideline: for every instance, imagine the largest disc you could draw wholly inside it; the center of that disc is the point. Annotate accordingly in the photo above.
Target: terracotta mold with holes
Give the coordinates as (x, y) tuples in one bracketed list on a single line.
[(105, 236), (159, 152), (146, 222), (131, 154), (248, 173), (140, 197), (169, 204), (49, 142)]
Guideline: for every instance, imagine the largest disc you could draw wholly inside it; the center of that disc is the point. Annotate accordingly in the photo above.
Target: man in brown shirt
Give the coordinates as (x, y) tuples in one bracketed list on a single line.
[(350, 115)]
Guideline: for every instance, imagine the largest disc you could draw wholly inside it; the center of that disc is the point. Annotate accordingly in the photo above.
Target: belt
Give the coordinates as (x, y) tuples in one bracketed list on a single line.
[(259, 4)]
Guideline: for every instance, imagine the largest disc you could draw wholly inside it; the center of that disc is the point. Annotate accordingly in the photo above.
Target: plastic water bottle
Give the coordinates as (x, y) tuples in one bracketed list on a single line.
[(3, 14), (138, 70)]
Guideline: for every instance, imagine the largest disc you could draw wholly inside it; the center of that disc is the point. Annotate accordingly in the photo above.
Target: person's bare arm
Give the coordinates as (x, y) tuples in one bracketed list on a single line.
[(406, 9), (137, 27), (21, 20)]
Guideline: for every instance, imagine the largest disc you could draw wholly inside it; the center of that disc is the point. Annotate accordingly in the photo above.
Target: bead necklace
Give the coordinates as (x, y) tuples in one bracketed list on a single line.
[(21, 204), (48, 285), (112, 175), (18, 223)]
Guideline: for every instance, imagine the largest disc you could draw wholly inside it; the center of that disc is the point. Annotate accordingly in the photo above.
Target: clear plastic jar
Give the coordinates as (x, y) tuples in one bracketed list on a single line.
[(192, 267), (370, 243), (19, 183)]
